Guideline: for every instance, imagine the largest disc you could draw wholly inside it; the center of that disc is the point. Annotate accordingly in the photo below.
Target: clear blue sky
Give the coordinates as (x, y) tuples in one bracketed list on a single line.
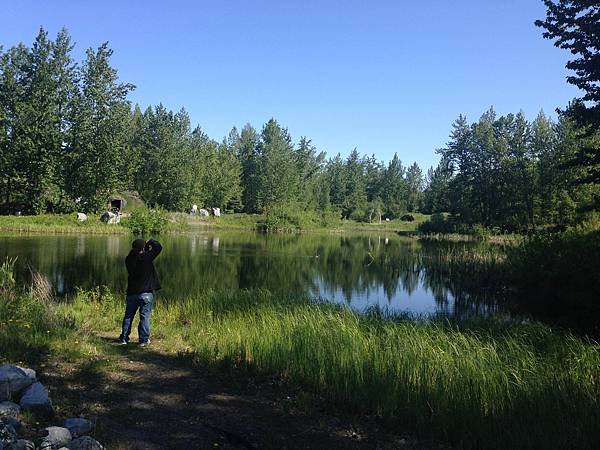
[(382, 76)]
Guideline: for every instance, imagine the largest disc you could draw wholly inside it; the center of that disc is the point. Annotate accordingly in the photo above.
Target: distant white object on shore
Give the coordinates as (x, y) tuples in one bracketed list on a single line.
[(81, 217), (217, 212), (110, 217)]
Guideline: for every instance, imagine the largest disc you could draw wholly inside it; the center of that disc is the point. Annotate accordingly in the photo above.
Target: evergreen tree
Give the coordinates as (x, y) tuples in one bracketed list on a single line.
[(574, 25), (100, 147), (394, 190), (167, 176), (355, 199), (308, 166), (414, 183), (277, 179), (436, 195), (247, 148), (13, 84)]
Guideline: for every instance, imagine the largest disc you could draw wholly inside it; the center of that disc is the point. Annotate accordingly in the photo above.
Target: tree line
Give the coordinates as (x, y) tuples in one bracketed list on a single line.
[(70, 138)]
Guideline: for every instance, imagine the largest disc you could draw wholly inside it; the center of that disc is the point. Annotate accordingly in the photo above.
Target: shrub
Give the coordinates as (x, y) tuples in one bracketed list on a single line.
[(147, 221), (296, 217)]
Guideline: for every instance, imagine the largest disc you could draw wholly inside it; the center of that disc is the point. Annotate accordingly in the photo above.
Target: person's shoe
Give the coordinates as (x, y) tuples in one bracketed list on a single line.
[(122, 342), (145, 344)]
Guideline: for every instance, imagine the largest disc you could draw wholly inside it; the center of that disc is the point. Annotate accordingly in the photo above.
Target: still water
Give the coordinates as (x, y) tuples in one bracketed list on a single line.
[(389, 271)]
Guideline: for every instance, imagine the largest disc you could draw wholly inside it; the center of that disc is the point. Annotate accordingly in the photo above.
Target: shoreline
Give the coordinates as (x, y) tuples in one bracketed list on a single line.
[(310, 361), (67, 224)]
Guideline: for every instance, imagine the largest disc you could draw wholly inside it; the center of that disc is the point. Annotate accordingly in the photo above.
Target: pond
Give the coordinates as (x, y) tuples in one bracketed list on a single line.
[(389, 271)]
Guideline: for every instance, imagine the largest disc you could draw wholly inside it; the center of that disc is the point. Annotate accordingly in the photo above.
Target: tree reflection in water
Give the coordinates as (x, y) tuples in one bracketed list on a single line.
[(387, 271)]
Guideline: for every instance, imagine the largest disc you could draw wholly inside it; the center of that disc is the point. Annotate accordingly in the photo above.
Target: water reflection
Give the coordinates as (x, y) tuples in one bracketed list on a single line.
[(361, 271)]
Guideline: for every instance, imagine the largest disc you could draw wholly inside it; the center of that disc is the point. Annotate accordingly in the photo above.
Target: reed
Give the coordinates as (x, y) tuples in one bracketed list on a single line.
[(483, 384), (486, 384)]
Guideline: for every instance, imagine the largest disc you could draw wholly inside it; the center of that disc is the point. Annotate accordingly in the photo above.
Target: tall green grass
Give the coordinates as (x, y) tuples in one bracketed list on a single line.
[(486, 384), (58, 223)]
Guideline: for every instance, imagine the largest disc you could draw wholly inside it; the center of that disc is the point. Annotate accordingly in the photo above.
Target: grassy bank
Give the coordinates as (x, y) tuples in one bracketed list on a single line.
[(58, 223), (480, 385), (181, 222), (253, 222)]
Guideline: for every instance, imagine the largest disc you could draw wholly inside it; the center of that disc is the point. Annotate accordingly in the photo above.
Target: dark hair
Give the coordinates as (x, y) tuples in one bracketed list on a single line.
[(138, 245)]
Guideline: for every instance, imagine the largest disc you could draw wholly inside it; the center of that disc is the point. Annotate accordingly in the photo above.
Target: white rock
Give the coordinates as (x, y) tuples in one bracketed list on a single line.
[(78, 426), (58, 437), (81, 217), (110, 217), (203, 212), (35, 398), (84, 443)]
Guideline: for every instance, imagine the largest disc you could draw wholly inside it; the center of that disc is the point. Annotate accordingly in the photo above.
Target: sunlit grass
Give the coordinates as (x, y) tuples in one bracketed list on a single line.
[(486, 384), (489, 384), (58, 223)]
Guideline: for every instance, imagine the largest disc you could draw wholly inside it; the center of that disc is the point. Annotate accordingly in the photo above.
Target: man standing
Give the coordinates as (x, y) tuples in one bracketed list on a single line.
[(142, 281)]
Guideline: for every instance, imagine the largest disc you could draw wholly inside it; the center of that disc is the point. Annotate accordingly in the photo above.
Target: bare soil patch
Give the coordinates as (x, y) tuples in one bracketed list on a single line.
[(149, 399)]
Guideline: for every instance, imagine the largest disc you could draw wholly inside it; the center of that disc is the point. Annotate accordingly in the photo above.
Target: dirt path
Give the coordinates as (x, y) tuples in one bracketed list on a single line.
[(148, 399)]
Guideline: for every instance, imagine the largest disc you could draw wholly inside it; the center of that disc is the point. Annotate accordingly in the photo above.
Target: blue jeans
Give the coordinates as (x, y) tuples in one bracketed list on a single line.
[(144, 303)]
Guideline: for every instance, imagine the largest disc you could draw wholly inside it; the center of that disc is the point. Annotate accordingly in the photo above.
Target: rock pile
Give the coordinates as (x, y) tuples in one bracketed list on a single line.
[(20, 391)]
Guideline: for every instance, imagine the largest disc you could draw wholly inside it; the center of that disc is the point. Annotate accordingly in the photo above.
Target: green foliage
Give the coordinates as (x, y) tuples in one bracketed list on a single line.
[(7, 274), (448, 224), (59, 223), (573, 24), (558, 270), (293, 217), (484, 384), (143, 222)]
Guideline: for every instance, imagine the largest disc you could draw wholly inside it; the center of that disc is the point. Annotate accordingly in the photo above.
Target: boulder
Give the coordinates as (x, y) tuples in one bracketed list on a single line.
[(110, 217), (14, 379), (21, 444), (78, 426), (8, 435), (57, 437), (203, 212), (217, 212), (84, 443), (9, 409), (11, 421), (81, 217), (35, 399)]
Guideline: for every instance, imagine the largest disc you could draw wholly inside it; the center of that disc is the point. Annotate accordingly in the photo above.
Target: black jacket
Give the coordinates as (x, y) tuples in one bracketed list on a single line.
[(142, 274)]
